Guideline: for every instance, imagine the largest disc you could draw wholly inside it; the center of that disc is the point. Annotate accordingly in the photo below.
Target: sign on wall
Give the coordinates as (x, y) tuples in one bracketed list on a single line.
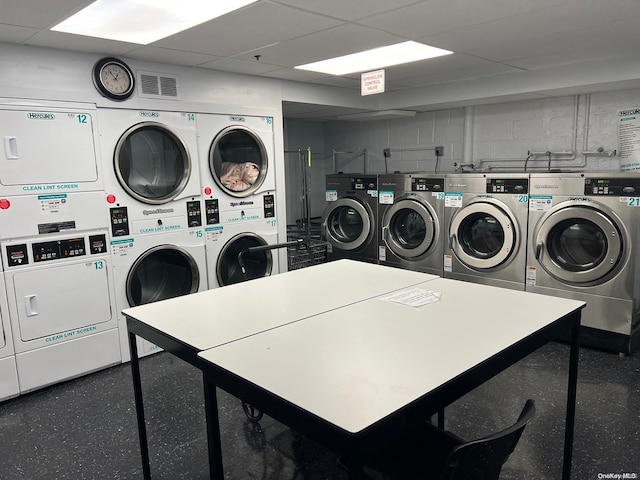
[(629, 139), (372, 82)]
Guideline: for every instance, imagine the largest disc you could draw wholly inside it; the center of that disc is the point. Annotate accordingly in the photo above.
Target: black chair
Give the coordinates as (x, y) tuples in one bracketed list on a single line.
[(429, 453)]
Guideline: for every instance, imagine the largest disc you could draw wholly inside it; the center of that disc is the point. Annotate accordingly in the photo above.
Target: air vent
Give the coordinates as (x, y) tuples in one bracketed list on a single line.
[(158, 85)]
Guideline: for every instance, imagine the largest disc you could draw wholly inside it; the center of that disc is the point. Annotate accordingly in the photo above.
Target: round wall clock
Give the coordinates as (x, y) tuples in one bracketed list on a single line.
[(113, 78)]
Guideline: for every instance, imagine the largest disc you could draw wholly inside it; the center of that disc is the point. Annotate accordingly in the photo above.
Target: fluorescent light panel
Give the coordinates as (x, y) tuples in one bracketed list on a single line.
[(144, 21), (373, 59)]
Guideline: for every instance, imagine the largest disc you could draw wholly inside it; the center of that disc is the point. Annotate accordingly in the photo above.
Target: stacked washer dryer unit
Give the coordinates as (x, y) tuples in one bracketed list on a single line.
[(153, 200), (350, 219), (486, 218), (238, 174), (411, 212), (8, 372), (584, 244), (54, 242)]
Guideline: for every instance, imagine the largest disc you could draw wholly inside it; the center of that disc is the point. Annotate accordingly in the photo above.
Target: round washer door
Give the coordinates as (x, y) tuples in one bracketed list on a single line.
[(152, 163), (238, 161), (410, 228), (162, 272), (348, 223), (579, 243), (257, 264), (483, 235)]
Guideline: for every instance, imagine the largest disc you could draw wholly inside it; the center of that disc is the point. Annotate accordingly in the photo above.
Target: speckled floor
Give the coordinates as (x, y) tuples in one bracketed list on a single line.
[(86, 428)]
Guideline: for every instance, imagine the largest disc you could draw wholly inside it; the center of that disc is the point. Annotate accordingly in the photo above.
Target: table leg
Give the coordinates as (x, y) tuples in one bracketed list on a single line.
[(216, 471), (137, 393), (571, 402)]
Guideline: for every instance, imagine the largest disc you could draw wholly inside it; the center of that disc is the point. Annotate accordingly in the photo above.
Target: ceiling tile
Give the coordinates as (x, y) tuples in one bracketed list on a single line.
[(38, 14), (66, 41), (165, 55), (11, 33), (330, 43), (437, 16), (247, 29), (348, 11)]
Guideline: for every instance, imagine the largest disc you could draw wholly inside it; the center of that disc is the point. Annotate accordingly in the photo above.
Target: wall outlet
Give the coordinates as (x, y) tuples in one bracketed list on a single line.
[(439, 151)]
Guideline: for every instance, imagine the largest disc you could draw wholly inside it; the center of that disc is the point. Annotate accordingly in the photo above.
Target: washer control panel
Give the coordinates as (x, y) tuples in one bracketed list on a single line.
[(419, 184), (612, 187), (508, 185)]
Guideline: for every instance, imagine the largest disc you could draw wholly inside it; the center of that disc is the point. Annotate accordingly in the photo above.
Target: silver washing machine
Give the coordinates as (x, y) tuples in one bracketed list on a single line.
[(411, 214), (486, 228), (583, 244), (349, 222)]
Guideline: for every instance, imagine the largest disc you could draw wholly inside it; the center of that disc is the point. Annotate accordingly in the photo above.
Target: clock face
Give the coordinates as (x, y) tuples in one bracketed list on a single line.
[(113, 79)]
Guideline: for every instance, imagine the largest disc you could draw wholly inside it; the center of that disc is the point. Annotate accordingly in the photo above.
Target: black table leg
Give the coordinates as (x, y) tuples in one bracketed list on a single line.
[(137, 392), (216, 471), (571, 401)]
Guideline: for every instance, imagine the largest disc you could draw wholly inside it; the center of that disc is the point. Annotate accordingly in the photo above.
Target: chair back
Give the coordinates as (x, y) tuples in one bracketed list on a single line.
[(484, 458)]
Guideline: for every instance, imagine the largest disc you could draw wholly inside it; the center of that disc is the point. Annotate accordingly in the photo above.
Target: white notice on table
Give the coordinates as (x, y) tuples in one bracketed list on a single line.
[(416, 297)]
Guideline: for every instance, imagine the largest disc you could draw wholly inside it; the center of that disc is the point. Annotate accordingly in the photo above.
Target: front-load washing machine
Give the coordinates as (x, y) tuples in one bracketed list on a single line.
[(486, 228), (237, 160), (8, 371), (411, 213), (61, 306), (151, 172), (583, 244), (350, 219), (152, 267)]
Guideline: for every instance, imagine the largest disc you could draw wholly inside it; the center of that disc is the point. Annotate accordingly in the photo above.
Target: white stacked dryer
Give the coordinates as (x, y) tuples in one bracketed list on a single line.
[(584, 244), (152, 185), (54, 243), (238, 174), (486, 218), (9, 386)]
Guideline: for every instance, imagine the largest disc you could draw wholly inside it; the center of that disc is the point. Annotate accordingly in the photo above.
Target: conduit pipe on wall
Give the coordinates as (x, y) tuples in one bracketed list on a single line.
[(547, 155)]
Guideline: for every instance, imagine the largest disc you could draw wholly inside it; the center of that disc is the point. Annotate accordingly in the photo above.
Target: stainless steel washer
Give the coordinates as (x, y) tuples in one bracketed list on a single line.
[(411, 213), (584, 229), (349, 222), (486, 222)]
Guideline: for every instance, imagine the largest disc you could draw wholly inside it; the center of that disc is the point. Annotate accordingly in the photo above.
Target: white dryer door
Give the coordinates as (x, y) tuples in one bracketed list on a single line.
[(483, 235), (409, 228), (579, 243), (46, 147), (58, 299), (347, 224)]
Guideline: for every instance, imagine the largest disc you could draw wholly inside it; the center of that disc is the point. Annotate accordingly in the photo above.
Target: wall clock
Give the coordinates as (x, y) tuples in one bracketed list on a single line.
[(113, 78)]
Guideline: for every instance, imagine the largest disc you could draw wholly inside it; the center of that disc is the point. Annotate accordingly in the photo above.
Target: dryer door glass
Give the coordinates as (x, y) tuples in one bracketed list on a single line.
[(409, 228), (152, 163), (348, 224), (483, 235), (162, 272), (256, 265), (579, 245), (238, 161)]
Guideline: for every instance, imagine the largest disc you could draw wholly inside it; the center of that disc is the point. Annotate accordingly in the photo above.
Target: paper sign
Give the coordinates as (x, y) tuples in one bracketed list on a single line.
[(372, 82), (415, 297)]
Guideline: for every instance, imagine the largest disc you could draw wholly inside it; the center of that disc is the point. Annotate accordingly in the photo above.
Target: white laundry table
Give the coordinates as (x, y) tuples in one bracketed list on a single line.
[(352, 377)]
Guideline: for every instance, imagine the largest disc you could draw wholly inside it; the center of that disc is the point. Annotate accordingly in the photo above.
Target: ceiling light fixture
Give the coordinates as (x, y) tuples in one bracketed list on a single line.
[(144, 21), (376, 58)]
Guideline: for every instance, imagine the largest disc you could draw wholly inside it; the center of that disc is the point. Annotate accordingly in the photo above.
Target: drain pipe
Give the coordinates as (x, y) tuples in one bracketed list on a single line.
[(467, 139)]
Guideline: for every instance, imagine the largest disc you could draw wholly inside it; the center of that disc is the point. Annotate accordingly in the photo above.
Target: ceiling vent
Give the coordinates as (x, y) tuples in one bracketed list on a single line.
[(158, 85)]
